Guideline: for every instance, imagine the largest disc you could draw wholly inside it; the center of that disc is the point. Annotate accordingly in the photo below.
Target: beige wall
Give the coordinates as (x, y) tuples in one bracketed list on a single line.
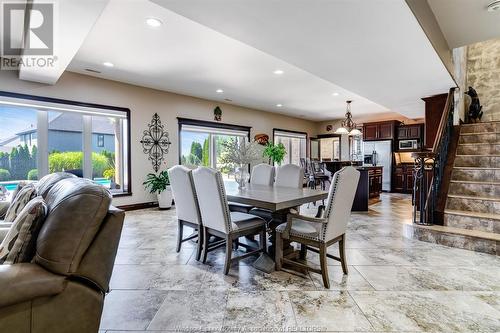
[(143, 103), (483, 74)]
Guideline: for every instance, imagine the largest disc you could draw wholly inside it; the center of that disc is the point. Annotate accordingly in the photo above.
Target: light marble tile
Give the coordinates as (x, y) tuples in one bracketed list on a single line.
[(430, 278), (328, 311), (340, 281), (427, 311), (130, 309), (258, 311), (190, 311), (248, 278)]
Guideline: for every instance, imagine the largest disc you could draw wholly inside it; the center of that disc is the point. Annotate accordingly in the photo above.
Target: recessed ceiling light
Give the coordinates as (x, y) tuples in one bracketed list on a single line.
[(219, 91), (153, 22), (278, 72), (494, 6), (279, 105), (108, 64), (335, 94)]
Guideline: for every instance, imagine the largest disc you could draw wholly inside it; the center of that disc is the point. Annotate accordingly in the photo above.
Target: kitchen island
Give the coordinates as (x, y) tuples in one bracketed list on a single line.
[(369, 187)]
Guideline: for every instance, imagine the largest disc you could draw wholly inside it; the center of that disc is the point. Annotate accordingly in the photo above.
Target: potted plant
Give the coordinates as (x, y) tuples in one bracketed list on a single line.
[(160, 184), (275, 153)]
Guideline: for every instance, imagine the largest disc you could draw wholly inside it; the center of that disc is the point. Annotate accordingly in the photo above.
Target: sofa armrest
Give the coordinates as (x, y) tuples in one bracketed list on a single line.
[(23, 282), (4, 206)]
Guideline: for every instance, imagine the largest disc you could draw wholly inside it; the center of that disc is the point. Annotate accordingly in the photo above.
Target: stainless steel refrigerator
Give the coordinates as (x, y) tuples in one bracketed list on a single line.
[(384, 158)]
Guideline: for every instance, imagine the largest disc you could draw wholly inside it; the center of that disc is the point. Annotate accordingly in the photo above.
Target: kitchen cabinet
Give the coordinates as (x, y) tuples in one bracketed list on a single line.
[(434, 108), (370, 132), (380, 131), (406, 132), (374, 181), (403, 178)]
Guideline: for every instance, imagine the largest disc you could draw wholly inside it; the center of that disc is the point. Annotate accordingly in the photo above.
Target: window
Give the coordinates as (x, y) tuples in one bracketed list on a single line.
[(42, 135), (201, 143), (330, 149), (295, 144), (100, 140)]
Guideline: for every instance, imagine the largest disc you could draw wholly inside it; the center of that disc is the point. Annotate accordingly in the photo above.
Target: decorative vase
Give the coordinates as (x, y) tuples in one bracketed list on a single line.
[(242, 176), (165, 198)]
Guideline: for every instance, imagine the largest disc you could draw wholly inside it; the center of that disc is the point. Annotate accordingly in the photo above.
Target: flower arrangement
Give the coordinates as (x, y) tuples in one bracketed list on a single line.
[(240, 152)]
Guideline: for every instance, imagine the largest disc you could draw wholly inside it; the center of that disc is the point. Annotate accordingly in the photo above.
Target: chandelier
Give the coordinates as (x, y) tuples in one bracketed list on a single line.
[(348, 126)]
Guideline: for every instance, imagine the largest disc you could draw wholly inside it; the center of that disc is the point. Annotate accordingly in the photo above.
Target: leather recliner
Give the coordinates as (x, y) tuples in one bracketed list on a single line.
[(63, 288)]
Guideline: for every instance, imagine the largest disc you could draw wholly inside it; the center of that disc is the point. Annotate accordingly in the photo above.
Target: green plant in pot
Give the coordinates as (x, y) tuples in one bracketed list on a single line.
[(160, 184), (275, 152)]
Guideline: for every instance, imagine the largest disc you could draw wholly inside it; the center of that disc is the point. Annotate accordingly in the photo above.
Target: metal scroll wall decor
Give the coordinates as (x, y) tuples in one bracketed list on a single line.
[(155, 142)]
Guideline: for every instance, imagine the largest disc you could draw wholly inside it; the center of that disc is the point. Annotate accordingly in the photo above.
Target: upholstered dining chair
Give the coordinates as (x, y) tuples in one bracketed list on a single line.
[(288, 175), (262, 174), (219, 221), (186, 205), (318, 233)]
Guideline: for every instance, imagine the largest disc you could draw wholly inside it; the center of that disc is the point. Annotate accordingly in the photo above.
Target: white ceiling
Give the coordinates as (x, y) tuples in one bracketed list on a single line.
[(465, 22), (186, 57), (369, 48), (374, 48)]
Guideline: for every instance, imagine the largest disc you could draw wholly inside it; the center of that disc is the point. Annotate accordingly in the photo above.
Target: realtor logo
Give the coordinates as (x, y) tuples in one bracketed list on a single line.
[(27, 34)]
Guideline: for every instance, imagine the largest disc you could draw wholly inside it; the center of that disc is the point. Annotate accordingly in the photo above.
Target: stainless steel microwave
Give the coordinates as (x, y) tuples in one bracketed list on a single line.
[(408, 144)]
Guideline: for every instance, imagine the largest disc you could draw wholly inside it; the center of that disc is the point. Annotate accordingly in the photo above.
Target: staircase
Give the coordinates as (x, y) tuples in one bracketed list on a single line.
[(473, 201)]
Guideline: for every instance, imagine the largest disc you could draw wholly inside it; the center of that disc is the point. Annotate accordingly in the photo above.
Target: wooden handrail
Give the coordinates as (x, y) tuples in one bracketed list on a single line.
[(444, 119), (427, 191)]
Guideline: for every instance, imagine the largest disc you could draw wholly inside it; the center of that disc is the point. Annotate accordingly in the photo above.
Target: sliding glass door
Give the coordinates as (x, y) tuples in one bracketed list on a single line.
[(203, 146), (295, 144)]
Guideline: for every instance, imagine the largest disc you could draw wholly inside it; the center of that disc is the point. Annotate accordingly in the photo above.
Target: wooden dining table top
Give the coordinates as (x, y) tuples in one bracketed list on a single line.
[(273, 198)]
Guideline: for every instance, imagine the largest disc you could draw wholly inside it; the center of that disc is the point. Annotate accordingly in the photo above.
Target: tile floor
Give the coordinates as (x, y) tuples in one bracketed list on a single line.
[(394, 284)]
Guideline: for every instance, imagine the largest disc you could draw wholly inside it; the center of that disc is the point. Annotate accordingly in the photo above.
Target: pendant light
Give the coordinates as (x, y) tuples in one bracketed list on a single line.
[(348, 126)]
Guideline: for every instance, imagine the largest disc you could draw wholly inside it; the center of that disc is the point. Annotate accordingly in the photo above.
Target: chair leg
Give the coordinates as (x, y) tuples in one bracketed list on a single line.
[(263, 240), (342, 254), (199, 246), (324, 265), (229, 253), (206, 238), (303, 252), (180, 231), (278, 250)]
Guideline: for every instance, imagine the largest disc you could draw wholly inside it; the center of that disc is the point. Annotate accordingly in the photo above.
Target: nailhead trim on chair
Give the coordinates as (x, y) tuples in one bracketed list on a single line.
[(330, 203), (225, 205)]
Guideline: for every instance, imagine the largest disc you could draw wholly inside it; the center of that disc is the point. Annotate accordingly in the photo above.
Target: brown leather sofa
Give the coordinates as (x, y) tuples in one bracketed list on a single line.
[(63, 288)]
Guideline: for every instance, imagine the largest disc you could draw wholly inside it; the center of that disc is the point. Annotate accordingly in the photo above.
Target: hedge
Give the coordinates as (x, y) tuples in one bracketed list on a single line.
[(73, 160), (33, 174), (4, 175)]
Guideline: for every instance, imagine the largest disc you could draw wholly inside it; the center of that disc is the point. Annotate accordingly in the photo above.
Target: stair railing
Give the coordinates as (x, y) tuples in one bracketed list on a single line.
[(425, 192)]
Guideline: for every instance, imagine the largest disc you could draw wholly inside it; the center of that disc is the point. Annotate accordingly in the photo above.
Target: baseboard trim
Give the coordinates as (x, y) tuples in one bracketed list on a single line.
[(137, 206)]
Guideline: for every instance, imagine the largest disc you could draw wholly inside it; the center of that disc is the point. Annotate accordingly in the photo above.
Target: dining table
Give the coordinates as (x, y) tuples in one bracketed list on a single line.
[(278, 200)]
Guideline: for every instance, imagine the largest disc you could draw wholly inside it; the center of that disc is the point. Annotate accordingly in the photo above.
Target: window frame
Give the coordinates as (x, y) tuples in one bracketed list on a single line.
[(208, 124), (297, 134), (66, 102)]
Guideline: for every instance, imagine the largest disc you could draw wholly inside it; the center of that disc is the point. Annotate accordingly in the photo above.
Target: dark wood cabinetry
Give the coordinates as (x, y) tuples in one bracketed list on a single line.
[(374, 181), (403, 178), (434, 107), (380, 130), (406, 132)]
